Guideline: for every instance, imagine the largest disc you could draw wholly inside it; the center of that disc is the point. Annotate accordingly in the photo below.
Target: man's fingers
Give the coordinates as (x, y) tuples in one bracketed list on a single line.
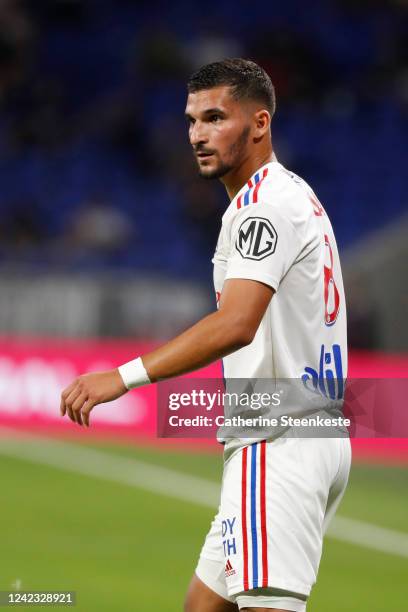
[(86, 410), (70, 414), (88, 390), (77, 406), (62, 406), (70, 401), (64, 396)]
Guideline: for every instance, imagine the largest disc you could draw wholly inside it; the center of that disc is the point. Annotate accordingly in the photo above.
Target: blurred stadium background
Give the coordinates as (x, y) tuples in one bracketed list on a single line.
[(106, 236)]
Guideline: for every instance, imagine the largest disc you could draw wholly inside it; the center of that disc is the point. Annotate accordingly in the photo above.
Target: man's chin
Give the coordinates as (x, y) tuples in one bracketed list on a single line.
[(213, 173)]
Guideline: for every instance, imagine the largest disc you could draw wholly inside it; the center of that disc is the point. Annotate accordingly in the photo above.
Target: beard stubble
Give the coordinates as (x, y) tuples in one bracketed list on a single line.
[(234, 155)]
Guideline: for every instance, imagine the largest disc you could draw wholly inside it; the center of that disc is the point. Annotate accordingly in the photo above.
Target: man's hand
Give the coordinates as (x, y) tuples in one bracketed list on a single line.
[(88, 390), (242, 306)]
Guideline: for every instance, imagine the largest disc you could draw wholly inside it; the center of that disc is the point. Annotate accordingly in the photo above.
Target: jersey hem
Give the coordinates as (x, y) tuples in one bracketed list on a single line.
[(275, 583), (262, 278)]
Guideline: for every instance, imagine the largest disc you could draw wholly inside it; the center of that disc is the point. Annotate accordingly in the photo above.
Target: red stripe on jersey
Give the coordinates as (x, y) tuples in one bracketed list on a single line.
[(239, 201), (263, 516), (244, 517), (257, 186), (250, 183)]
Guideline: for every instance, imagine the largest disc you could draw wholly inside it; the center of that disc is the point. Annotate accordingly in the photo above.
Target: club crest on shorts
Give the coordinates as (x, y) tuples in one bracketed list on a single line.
[(256, 239)]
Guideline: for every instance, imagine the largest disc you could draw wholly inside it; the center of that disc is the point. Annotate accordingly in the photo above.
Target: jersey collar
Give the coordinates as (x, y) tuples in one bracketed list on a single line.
[(250, 187)]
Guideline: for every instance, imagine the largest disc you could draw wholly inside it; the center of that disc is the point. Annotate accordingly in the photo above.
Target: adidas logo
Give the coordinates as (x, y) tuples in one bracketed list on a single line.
[(229, 570)]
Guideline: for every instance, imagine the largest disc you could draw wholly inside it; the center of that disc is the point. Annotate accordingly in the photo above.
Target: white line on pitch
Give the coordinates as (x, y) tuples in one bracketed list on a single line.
[(163, 481), (105, 466)]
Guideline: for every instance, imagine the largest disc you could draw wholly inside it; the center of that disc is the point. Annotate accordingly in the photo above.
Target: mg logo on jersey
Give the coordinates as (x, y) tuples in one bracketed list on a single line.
[(328, 381), (257, 238)]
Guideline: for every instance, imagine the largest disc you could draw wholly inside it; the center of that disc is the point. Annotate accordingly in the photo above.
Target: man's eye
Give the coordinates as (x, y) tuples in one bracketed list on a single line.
[(215, 118)]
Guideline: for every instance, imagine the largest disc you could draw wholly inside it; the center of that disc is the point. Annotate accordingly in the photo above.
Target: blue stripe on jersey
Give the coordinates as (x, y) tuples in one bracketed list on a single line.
[(253, 518), (249, 192)]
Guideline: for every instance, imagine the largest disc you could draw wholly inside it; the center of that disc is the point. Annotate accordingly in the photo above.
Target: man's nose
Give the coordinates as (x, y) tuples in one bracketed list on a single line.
[(198, 134)]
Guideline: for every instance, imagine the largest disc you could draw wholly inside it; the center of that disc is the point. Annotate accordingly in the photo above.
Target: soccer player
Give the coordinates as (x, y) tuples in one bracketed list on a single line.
[(281, 315)]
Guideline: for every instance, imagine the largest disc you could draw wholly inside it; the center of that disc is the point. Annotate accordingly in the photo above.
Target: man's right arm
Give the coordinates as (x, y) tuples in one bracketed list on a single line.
[(243, 304)]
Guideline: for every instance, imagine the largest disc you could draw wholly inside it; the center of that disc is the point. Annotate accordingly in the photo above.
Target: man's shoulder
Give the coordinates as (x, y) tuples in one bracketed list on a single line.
[(283, 188), (279, 190)]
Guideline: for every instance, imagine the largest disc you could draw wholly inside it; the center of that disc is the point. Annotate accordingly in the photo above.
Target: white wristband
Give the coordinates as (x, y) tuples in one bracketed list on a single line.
[(133, 374)]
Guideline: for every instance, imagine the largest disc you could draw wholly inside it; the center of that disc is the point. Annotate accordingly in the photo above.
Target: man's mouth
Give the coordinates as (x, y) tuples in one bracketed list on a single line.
[(203, 155)]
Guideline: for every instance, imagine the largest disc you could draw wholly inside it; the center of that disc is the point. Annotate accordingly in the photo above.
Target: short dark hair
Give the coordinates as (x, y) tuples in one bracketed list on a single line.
[(246, 78)]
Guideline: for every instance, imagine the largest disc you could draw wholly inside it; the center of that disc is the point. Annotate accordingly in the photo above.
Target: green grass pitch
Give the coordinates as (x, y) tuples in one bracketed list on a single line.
[(125, 549)]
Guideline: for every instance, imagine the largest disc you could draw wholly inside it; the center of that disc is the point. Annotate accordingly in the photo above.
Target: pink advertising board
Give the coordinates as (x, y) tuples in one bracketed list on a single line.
[(33, 371)]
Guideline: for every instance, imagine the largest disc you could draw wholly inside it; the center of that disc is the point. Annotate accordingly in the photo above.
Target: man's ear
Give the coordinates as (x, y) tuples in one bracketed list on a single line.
[(262, 123)]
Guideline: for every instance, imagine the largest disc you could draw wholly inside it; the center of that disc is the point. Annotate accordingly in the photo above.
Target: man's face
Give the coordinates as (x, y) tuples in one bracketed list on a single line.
[(219, 129)]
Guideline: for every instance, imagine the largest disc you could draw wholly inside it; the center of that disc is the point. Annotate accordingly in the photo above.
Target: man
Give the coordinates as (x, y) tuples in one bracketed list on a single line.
[(281, 315)]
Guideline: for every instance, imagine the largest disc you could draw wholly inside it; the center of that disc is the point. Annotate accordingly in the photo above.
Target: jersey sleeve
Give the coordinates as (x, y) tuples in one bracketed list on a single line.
[(264, 244)]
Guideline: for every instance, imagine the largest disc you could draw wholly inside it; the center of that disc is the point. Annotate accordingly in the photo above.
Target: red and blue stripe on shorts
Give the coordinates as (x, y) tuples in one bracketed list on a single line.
[(253, 516)]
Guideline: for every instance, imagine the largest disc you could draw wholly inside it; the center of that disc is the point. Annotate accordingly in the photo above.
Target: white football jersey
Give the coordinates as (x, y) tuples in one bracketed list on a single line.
[(276, 231)]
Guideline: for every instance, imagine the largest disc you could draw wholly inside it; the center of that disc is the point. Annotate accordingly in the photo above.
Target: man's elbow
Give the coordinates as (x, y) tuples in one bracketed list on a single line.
[(240, 333)]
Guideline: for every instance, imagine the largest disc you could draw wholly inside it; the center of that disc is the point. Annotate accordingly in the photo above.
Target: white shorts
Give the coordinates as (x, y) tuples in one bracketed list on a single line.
[(277, 499)]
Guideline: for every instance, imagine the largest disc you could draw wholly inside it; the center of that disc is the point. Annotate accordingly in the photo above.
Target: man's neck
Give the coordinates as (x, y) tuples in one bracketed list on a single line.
[(235, 179)]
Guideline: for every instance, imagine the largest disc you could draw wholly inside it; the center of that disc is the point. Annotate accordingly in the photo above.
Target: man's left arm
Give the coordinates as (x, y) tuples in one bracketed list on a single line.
[(242, 305)]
